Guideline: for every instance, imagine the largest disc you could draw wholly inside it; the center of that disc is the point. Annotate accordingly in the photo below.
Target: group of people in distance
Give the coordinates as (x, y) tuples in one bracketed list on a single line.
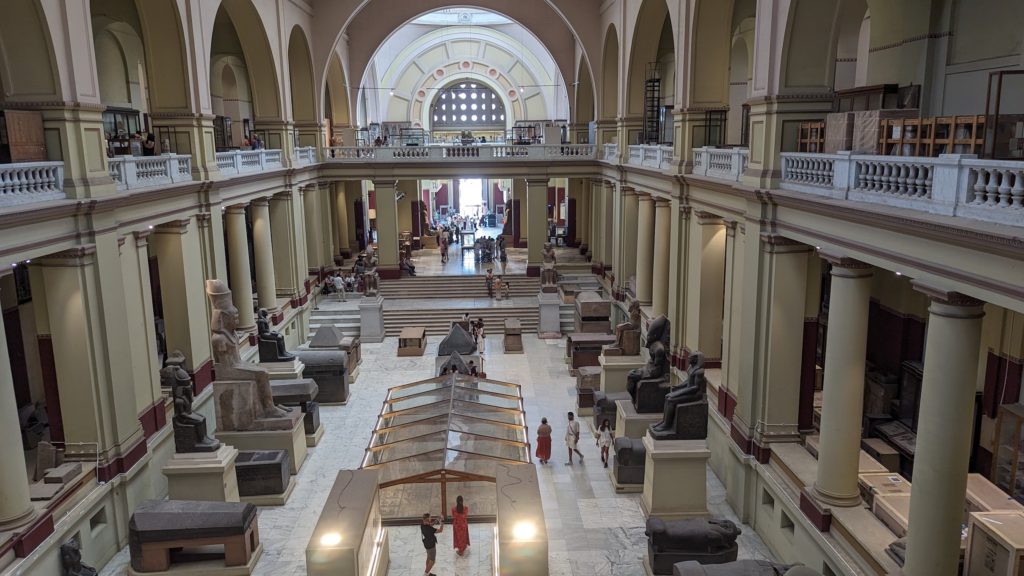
[(572, 438), (496, 285)]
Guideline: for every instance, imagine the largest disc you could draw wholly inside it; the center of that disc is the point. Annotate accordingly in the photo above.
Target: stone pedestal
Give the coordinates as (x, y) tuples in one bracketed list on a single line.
[(513, 341), (614, 370), (263, 477), (293, 441), (289, 370), (588, 379), (629, 423), (675, 478), (550, 325), (371, 319), (203, 475)]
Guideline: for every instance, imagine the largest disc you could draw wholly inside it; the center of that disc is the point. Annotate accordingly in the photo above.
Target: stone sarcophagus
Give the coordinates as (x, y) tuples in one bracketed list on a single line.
[(584, 349), (262, 472), (708, 541), (588, 379), (593, 313), (628, 460)]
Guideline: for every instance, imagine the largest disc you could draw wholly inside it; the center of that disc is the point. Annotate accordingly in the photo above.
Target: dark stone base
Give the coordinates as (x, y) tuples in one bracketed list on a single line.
[(663, 562), (311, 416), (262, 472), (691, 423), (331, 380)]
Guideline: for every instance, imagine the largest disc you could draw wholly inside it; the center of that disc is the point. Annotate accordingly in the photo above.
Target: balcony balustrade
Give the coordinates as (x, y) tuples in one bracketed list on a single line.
[(652, 156), (305, 155), (610, 153), (720, 163), (27, 182), (485, 153), (133, 172), (234, 162)]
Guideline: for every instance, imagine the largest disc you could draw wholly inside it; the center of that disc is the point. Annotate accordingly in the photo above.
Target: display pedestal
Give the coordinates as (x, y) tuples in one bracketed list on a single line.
[(623, 488), (615, 369), (631, 424), (675, 478), (203, 475), (293, 441), (272, 499), (371, 319), (550, 325), (290, 370), (314, 438), (206, 567)]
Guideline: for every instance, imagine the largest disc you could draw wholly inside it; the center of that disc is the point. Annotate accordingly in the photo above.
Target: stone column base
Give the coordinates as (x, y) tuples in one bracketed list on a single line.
[(203, 475), (675, 478)]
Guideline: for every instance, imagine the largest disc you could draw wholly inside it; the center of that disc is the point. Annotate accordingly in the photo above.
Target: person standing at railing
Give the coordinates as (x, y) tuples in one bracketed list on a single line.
[(149, 146)]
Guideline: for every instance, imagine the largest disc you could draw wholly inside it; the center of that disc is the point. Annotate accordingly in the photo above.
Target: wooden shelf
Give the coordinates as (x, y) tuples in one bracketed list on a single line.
[(931, 137), (811, 137)]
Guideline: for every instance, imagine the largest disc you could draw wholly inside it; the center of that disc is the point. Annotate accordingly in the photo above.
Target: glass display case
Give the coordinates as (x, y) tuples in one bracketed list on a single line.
[(119, 124), (1004, 133), (1008, 444)]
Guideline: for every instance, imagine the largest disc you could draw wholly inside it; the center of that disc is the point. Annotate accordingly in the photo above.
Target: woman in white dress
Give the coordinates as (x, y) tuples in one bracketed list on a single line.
[(604, 440)]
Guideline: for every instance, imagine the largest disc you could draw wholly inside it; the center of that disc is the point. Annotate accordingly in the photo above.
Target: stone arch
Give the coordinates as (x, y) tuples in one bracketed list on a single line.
[(610, 75), (513, 108), (251, 43), (28, 70), (646, 48), (584, 111), (852, 16), (740, 71), (336, 94), (809, 47), (300, 77), (711, 54)]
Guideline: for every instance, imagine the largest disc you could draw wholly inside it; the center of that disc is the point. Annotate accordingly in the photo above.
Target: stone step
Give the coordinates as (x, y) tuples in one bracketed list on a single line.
[(454, 286)]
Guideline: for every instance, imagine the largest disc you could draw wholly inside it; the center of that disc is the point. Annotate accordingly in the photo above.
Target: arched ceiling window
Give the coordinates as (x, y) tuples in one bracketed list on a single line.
[(465, 106)]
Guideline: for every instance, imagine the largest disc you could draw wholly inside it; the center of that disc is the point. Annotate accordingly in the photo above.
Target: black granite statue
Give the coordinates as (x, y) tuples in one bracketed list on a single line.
[(174, 361), (708, 541), (71, 560), (189, 428), (685, 416), (272, 348), (647, 386)]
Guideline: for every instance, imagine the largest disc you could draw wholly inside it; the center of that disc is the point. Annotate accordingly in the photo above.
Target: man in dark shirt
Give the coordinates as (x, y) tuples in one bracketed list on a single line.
[(430, 532)]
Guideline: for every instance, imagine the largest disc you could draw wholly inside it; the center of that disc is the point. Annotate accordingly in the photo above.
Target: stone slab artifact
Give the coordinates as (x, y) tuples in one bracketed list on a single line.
[(568, 292), (649, 385), (627, 335), (40, 491), (328, 367), (457, 340), (262, 472), (741, 568), (628, 460), (47, 457), (271, 343), (349, 539), (685, 414), (202, 475), (550, 325), (160, 529), (71, 560), (371, 318), (63, 474), (707, 541), (513, 341)]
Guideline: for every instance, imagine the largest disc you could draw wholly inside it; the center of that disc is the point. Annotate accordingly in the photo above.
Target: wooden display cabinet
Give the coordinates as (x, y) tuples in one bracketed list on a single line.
[(811, 137), (21, 136), (930, 137), (1007, 460), (995, 544)]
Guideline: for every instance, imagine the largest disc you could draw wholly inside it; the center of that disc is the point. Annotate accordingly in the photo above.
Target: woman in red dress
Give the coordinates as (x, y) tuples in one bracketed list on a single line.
[(544, 441), (460, 526)]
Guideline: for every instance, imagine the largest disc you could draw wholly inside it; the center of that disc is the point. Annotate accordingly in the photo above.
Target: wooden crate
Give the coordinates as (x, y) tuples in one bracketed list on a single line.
[(995, 544), (412, 341)]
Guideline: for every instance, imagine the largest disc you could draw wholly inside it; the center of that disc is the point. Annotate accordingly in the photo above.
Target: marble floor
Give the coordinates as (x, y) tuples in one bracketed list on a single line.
[(592, 530), (460, 263)]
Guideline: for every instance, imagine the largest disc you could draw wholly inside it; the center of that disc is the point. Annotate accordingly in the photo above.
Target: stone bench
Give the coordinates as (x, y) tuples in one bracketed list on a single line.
[(166, 532)]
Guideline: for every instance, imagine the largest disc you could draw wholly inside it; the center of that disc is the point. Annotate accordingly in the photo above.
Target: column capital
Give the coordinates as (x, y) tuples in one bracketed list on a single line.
[(845, 267), (949, 303), (537, 181), (77, 256), (660, 202), (174, 226), (778, 244), (235, 209), (386, 183), (142, 237), (627, 190), (263, 201), (644, 196), (730, 228), (705, 218)]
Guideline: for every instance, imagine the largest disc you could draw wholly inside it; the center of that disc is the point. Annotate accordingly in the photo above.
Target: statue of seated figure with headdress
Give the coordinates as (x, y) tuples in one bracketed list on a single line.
[(627, 335), (189, 428), (648, 385), (685, 416), (271, 343)]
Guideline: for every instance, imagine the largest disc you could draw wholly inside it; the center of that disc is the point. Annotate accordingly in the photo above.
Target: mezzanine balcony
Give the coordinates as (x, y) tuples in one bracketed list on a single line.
[(461, 154), (133, 172), (27, 182), (235, 162)]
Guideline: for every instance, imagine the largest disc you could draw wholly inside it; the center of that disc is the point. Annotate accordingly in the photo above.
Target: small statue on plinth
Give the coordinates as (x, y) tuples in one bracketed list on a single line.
[(271, 343), (189, 428), (647, 386), (690, 399), (627, 335), (371, 283), (549, 255), (71, 560), (175, 361)]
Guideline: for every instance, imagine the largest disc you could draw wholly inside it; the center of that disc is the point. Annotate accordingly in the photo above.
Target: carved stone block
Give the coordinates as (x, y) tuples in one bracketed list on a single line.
[(262, 472)]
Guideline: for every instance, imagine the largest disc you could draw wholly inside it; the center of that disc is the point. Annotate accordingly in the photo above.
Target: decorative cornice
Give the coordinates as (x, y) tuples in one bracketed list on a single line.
[(76, 256), (141, 237), (842, 264), (175, 226), (910, 40), (946, 296)]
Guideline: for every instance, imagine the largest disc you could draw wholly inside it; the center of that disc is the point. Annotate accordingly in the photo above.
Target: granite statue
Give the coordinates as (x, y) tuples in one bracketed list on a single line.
[(549, 255), (708, 541), (174, 361), (741, 568), (71, 560), (685, 416), (271, 343), (628, 460), (189, 428), (648, 385), (627, 334)]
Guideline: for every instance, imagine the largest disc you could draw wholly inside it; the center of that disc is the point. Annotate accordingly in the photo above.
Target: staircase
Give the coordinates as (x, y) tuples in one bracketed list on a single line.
[(437, 321), (420, 287), (345, 320)]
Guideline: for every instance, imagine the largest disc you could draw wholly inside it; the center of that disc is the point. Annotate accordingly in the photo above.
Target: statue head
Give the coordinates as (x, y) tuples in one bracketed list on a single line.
[(660, 330), (726, 529), (175, 358), (634, 312), (225, 316), (696, 361), (263, 313), (71, 556)]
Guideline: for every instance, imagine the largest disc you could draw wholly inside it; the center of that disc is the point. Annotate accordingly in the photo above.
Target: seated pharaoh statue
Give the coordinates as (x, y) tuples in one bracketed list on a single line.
[(272, 348), (189, 428), (647, 386), (240, 411), (685, 416), (627, 335)]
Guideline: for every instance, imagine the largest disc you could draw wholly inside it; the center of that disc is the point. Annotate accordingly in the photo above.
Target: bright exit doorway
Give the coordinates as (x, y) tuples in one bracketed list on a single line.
[(471, 197)]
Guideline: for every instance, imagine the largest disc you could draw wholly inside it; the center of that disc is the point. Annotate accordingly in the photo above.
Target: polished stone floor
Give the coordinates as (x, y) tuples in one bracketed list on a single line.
[(460, 263), (592, 530)]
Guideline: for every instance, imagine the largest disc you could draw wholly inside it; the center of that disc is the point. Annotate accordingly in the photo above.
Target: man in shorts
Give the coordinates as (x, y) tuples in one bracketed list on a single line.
[(572, 437), (429, 533)]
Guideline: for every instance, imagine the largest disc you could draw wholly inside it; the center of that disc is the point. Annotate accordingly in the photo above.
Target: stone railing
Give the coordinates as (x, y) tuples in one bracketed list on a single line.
[(720, 163), (244, 161), (484, 153), (952, 184), (305, 155), (131, 172), (31, 182), (651, 156), (610, 153)]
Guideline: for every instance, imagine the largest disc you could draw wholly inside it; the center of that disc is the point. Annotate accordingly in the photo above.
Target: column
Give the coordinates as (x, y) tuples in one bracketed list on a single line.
[(341, 218), (314, 246), (536, 223), (240, 277), (944, 430), (706, 286), (326, 211), (15, 507), (387, 228), (263, 253), (596, 243), (644, 248), (286, 227), (843, 405), (607, 224), (626, 248), (138, 302), (662, 248), (584, 223)]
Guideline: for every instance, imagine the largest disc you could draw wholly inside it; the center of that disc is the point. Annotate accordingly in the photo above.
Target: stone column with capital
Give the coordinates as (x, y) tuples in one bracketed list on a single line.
[(240, 276), (626, 249), (584, 217), (945, 423), (705, 286), (843, 404), (536, 223), (288, 231), (314, 246), (328, 227), (341, 218), (645, 249), (263, 252), (138, 302), (15, 507), (387, 228), (662, 251)]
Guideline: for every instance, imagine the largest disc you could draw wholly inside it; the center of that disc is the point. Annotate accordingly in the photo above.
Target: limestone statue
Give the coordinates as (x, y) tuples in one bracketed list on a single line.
[(692, 393), (174, 361), (549, 255), (71, 560), (189, 428), (708, 541), (226, 360), (271, 343), (371, 284), (627, 334), (647, 386)]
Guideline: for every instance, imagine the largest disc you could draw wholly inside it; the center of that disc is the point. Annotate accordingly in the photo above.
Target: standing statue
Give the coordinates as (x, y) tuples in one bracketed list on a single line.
[(685, 415), (370, 283), (189, 428), (627, 334), (226, 361), (549, 255), (648, 385), (71, 560), (271, 343)]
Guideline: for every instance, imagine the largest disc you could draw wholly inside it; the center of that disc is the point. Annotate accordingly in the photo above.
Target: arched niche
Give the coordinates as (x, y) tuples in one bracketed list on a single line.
[(610, 75), (120, 65), (336, 96), (710, 58), (584, 111), (300, 77), (230, 94), (650, 44), (28, 72), (420, 107), (238, 31)]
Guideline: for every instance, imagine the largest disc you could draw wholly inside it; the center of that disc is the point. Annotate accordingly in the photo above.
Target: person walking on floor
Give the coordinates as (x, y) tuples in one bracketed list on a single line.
[(429, 531), (544, 441), (572, 438), (604, 440), (460, 526)]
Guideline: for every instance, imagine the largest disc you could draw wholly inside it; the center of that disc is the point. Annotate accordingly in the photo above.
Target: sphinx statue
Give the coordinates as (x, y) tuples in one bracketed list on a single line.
[(271, 343), (708, 541), (627, 335), (685, 414), (71, 560), (189, 428), (648, 385)]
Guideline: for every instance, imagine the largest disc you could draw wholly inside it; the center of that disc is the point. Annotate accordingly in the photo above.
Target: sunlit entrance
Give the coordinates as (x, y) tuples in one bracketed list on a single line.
[(471, 201)]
